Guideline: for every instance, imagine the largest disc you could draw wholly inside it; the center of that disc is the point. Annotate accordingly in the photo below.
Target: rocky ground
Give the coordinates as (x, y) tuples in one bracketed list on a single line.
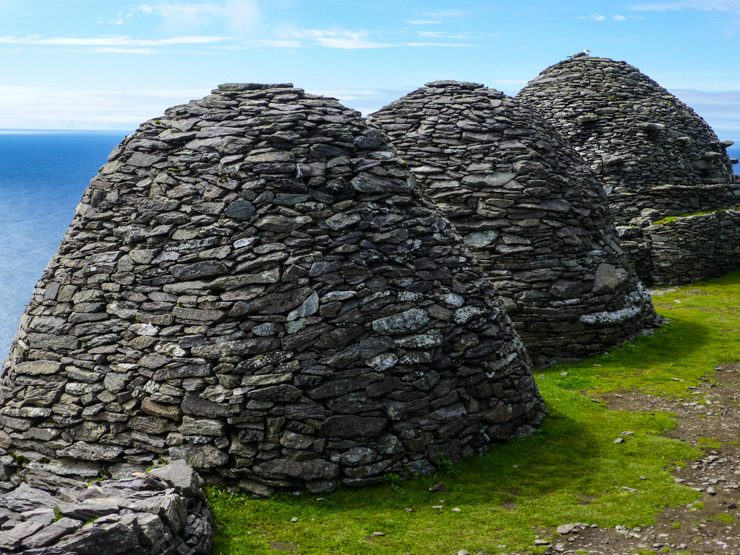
[(153, 513), (707, 526)]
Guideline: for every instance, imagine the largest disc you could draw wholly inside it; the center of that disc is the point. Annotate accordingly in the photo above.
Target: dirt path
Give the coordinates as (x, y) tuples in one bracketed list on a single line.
[(710, 526)]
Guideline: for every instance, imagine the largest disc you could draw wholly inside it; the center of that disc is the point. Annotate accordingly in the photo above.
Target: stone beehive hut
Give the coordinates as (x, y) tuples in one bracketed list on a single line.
[(531, 211), (657, 158), (254, 284)]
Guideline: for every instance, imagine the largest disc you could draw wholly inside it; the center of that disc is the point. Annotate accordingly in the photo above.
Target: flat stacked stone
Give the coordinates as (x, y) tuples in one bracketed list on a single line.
[(253, 283), (533, 214), (137, 513), (656, 156), (685, 249)]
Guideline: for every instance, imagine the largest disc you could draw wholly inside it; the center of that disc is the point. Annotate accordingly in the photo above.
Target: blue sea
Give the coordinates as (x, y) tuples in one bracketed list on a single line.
[(42, 177)]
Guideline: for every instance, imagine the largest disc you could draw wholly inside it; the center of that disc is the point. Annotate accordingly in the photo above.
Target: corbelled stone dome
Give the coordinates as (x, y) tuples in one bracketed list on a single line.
[(636, 136), (530, 209), (253, 283), (657, 158)]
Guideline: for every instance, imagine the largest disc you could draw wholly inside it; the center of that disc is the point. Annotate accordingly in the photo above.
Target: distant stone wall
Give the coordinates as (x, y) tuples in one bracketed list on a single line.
[(534, 215), (253, 283), (686, 249), (164, 511), (652, 203)]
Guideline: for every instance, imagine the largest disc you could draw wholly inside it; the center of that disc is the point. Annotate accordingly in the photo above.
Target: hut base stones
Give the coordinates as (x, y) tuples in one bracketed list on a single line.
[(254, 284), (533, 214), (660, 163), (163, 511)]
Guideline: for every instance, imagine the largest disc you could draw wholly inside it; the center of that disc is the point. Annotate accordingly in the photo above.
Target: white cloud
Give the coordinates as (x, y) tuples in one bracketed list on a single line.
[(347, 40), (436, 17), (26, 107), (720, 109), (121, 18), (343, 39), (601, 18), (428, 44), (327, 38), (432, 34), (338, 38), (365, 100), (256, 45), (100, 50), (444, 14), (442, 35), (112, 41), (277, 43), (701, 5), (237, 15)]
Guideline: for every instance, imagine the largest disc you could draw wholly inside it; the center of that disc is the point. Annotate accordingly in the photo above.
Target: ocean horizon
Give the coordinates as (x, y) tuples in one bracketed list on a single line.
[(43, 174)]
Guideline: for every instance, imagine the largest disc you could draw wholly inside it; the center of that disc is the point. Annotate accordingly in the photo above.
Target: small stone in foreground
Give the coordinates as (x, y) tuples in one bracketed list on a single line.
[(565, 529)]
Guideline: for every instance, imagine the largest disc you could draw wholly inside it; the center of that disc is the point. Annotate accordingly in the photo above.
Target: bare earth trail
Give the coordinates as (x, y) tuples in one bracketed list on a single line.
[(710, 420)]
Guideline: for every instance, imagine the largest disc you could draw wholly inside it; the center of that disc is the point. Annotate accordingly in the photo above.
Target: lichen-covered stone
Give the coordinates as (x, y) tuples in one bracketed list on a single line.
[(655, 155), (255, 284), (533, 214)]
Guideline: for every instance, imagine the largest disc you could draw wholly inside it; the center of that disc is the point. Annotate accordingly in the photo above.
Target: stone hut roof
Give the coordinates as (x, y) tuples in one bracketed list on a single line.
[(530, 209), (253, 283), (650, 149)]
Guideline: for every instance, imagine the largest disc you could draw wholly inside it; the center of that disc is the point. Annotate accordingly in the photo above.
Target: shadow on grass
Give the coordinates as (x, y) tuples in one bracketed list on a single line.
[(675, 341), (562, 453)]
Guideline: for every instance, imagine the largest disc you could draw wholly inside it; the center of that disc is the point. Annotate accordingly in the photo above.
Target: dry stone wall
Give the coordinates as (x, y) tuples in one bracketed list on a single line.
[(657, 157), (164, 511), (253, 283), (531, 211), (687, 249)]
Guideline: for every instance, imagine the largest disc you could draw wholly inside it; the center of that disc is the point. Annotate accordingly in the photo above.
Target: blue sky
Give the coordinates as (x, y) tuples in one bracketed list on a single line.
[(91, 64)]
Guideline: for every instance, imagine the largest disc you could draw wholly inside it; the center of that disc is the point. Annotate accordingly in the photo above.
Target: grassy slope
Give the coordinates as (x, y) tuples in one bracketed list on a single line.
[(570, 471)]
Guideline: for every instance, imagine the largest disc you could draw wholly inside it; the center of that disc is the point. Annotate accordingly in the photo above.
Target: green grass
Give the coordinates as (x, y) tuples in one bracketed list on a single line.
[(703, 332), (669, 219), (569, 471), (706, 443), (725, 518)]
